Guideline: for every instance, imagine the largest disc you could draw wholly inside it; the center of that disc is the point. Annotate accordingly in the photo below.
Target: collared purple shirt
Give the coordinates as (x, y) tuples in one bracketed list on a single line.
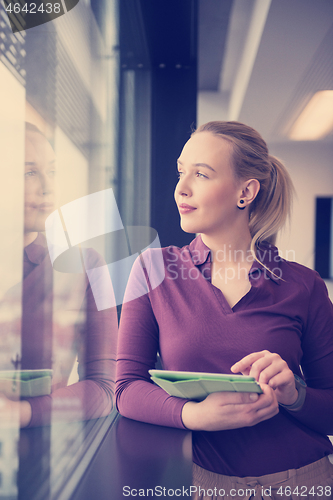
[(190, 323)]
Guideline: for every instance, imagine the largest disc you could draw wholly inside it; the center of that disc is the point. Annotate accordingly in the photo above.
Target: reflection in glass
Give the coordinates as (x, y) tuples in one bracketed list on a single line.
[(60, 317), (58, 93), (8, 462)]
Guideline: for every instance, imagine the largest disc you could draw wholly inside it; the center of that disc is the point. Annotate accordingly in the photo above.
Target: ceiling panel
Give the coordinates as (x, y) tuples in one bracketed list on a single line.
[(294, 60), (213, 21)]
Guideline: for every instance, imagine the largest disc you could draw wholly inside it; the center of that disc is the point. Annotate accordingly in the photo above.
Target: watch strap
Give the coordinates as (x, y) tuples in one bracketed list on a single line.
[(301, 389)]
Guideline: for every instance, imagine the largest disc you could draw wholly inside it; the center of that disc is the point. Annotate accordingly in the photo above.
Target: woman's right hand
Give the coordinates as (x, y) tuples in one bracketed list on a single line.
[(230, 410)]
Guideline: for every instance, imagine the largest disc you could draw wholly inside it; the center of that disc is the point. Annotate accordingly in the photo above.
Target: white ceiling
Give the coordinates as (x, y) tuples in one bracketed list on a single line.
[(274, 55)]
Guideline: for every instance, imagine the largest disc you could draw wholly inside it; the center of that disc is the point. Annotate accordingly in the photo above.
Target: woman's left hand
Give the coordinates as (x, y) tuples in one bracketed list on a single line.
[(14, 413), (269, 368)]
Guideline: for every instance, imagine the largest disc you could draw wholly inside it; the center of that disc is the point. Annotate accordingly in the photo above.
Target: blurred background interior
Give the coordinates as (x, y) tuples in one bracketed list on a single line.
[(118, 86)]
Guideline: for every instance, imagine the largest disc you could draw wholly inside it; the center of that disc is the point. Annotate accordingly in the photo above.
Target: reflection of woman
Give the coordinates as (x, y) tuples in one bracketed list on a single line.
[(229, 303), (60, 320)]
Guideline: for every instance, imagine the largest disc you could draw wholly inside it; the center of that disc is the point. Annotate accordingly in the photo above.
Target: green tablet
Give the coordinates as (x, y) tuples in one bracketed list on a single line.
[(26, 383), (197, 385)]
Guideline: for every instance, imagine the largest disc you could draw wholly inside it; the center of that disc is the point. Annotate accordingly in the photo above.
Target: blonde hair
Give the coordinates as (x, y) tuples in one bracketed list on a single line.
[(251, 160)]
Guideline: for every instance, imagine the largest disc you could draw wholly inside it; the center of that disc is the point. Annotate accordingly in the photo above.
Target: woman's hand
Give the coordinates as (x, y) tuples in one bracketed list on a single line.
[(230, 410), (14, 413), (269, 368)]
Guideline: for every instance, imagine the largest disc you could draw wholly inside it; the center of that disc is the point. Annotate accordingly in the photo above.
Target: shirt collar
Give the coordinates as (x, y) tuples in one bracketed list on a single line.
[(199, 252), (267, 254), (269, 263), (36, 251)]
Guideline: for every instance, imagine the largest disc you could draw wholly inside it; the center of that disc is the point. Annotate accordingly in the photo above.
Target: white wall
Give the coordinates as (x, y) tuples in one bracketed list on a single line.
[(310, 165)]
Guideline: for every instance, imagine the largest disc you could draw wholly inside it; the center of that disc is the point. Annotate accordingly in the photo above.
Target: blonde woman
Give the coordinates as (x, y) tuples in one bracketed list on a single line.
[(230, 304)]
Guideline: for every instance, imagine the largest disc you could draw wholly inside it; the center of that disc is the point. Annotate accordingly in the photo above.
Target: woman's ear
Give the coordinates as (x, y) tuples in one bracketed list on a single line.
[(250, 189)]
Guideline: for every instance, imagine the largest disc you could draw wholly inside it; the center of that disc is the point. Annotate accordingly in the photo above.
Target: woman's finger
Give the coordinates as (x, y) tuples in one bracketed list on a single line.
[(247, 361)]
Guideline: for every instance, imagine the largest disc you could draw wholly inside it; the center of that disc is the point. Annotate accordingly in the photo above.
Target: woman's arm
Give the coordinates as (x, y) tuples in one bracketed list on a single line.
[(317, 362), (136, 396)]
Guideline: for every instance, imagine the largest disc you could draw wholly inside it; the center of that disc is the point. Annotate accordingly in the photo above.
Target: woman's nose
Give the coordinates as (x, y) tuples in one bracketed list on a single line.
[(46, 184), (183, 188)]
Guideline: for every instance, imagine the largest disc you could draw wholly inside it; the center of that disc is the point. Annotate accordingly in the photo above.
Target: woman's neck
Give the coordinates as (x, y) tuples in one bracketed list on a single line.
[(229, 248), (29, 238)]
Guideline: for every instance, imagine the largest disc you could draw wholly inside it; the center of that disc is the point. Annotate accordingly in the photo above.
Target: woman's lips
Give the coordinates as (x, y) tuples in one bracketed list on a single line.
[(46, 207), (43, 207), (185, 209)]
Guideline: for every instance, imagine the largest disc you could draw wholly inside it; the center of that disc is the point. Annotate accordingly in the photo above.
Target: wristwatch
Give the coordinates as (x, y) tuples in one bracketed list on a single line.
[(301, 388)]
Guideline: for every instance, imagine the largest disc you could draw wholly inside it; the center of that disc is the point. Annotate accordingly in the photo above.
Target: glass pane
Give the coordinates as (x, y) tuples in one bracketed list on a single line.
[(58, 316)]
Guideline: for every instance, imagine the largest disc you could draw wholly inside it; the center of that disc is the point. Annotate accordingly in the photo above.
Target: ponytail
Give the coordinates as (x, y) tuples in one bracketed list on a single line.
[(272, 206), (251, 160)]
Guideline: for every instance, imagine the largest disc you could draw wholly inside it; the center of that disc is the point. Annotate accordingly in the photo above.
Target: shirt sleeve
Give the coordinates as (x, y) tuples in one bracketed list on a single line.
[(317, 361), (93, 395), (136, 396)]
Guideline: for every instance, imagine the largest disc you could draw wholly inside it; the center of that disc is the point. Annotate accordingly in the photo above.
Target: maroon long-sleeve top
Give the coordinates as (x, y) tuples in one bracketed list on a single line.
[(189, 322)]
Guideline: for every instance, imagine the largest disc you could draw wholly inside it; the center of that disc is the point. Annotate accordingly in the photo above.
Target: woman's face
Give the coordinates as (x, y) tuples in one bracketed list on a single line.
[(207, 192), (39, 181)]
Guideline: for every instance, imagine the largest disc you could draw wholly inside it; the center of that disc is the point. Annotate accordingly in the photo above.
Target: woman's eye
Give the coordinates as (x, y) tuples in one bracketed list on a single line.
[(30, 173), (179, 174), (202, 176)]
